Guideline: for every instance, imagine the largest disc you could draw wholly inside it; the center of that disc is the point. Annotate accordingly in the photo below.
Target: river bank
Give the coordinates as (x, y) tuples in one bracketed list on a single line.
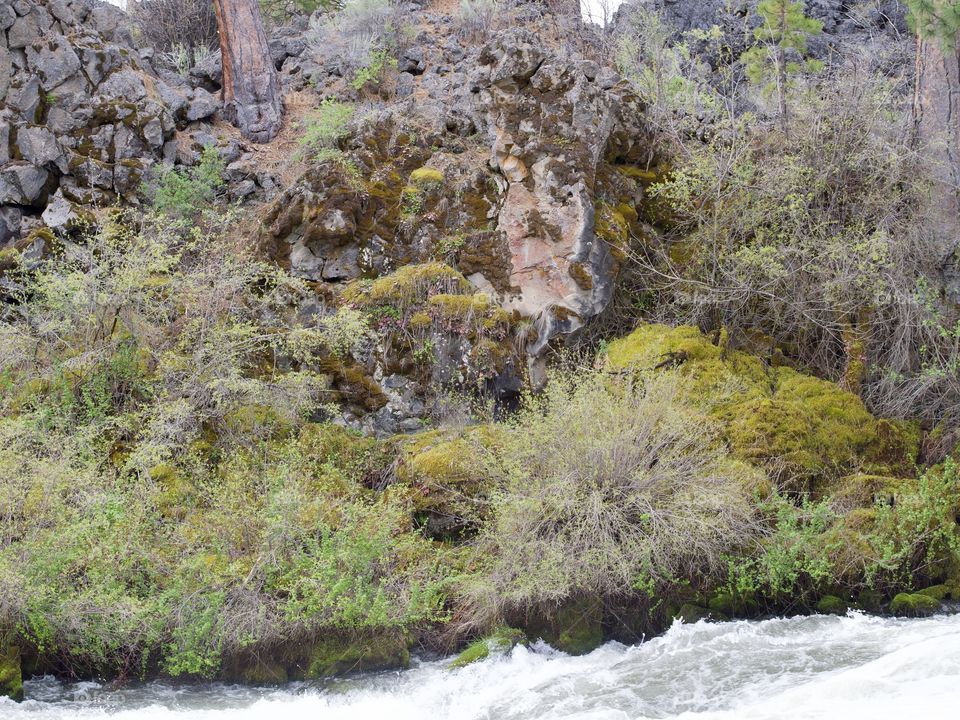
[(803, 667)]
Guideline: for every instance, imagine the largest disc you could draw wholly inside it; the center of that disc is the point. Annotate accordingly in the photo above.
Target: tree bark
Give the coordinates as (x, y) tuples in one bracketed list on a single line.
[(251, 89), (936, 115)]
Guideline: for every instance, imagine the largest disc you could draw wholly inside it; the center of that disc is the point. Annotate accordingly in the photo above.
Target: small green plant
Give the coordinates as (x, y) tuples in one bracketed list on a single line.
[(449, 245), (183, 194), (327, 125), (379, 63), (411, 202)]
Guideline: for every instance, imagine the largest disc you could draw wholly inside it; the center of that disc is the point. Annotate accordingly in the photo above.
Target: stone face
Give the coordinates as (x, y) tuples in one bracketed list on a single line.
[(23, 32), (22, 184), (61, 214), (549, 125), (55, 62), (124, 85), (10, 217), (201, 105), (38, 145)]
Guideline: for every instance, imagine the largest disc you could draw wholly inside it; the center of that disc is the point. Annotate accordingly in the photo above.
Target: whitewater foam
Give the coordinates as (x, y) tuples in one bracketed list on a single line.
[(783, 669)]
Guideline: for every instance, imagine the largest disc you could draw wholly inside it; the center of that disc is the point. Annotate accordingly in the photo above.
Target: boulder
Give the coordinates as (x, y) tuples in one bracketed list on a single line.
[(38, 146), (23, 184), (201, 105), (61, 215), (54, 61)]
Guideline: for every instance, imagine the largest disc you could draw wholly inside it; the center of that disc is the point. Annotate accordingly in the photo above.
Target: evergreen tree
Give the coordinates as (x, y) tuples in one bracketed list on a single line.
[(938, 19), (784, 31)]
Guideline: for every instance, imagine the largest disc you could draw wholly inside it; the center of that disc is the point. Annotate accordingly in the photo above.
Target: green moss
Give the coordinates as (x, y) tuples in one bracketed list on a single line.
[(426, 176), (610, 225), (831, 605), (937, 592), (578, 628), (807, 432), (914, 605), (409, 285), (256, 420), (500, 642), (338, 656), (689, 613), (11, 679), (9, 259)]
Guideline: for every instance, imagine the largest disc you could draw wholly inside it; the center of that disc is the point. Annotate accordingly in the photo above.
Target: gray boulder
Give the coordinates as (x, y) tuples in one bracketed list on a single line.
[(37, 145), (22, 184), (201, 105), (55, 62)]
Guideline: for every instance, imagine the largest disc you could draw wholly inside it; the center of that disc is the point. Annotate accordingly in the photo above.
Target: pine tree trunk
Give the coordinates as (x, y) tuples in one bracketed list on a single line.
[(251, 88), (936, 114)]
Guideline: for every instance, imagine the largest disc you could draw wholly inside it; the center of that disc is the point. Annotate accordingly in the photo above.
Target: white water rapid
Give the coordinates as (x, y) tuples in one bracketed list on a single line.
[(843, 668)]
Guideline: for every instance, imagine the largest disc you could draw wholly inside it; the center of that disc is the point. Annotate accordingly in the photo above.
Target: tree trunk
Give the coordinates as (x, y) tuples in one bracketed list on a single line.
[(251, 89), (936, 114)]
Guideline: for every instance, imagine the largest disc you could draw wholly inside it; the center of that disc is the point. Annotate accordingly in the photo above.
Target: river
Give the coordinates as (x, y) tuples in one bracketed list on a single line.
[(842, 668)]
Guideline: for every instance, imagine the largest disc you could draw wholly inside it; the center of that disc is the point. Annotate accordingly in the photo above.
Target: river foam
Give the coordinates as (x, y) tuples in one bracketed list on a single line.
[(783, 669)]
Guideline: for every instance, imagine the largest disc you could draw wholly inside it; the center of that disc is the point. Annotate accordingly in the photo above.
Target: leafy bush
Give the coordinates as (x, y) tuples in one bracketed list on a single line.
[(183, 194)]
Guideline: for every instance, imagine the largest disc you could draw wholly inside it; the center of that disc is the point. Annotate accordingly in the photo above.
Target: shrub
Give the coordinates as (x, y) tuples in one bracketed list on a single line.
[(606, 489), (327, 125), (183, 194), (477, 17), (185, 28)]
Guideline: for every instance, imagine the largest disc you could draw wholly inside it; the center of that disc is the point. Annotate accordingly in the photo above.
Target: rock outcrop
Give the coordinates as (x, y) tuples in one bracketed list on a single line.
[(499, 172), (83, 113)]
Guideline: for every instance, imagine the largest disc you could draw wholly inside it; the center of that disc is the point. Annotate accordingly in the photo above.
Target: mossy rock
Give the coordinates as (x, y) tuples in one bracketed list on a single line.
[(938, 592), (11, 678), (832, 605), (733, 604), (575, 628), (9, 259), (339, 656), (260, 420), (914, 605), (870, 600), (408, 286), (689, 613), (257, 671), (447, 477), (426, 176), (500, 642), (807, 432)]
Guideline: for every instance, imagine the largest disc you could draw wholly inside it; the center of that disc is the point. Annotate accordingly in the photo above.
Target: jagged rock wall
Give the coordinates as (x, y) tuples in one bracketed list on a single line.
[(508, 162), (83, 114)]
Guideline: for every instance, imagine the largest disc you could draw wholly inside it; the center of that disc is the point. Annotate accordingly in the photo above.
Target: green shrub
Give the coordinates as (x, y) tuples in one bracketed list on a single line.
[(327, 125), (183, 194)]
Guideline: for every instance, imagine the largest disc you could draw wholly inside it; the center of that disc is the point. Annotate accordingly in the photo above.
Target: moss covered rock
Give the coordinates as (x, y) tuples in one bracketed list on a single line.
[(689, 613), (500, 642), (807, 432), (339, 656), (914, 605), (11, 679), (575, 628), (832, 605)]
